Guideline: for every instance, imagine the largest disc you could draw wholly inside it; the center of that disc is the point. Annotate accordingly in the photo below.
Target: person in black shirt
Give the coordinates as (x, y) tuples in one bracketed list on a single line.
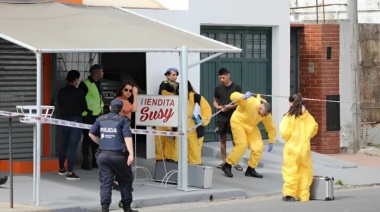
[(222, 95), (71, 103)]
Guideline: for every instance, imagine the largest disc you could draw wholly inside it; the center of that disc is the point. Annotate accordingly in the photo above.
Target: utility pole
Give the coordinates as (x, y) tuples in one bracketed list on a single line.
[(355, 73)]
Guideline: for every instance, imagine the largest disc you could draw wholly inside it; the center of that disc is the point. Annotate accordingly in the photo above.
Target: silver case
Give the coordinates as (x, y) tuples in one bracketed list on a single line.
[(200, 176), (159, 172), (322, 188)]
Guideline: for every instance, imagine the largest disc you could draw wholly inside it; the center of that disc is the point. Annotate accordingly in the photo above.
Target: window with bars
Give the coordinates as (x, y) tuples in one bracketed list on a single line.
[(254, 45), (233, 39), (77, 61)]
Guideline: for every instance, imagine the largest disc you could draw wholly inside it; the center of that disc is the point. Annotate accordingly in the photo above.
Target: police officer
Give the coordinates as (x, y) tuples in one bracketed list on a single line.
[(115, 155)]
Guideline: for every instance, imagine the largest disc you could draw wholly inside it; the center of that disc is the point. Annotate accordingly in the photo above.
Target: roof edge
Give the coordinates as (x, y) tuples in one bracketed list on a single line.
[(232, 48), (174, 50), (17, 42)]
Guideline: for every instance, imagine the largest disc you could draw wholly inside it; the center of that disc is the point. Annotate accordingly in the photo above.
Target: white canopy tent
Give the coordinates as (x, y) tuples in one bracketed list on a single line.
[(58, 28)]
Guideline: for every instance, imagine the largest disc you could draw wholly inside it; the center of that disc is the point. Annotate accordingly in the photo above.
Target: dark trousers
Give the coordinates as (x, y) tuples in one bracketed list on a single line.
[(109, 166), (69, 139), (87, 143)]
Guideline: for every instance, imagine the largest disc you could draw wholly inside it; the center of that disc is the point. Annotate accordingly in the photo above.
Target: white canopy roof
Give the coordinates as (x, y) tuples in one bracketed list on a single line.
[(142, 4), (55, 27)]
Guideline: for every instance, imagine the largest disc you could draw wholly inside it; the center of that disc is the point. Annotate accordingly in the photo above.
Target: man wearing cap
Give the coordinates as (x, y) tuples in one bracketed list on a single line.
[(93, 90), (166, 146), (115, 156), (71, 103)]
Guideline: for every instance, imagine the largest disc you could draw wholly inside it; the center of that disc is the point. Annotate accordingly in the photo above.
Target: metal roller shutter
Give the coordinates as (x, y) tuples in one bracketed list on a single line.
[(17, 87)]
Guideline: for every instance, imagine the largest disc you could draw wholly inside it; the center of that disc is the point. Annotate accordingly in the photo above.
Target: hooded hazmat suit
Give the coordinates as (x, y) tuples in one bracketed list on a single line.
[(246, 133), (167, 146), (297, 169), (194, 143)]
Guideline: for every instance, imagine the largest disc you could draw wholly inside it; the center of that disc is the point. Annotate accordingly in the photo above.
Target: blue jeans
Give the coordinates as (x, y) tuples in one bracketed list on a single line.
[(69, 139)]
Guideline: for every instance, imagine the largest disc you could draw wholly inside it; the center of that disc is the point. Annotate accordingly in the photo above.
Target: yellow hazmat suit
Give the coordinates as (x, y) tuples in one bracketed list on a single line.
[(194, 143), (166, 146), (297, 169), (245, 130)]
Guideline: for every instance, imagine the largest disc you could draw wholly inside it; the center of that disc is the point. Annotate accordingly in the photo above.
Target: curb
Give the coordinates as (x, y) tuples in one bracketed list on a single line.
[(189, 197)]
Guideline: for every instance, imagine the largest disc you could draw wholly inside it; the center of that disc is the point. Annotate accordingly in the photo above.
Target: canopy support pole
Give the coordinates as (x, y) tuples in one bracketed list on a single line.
[(38, 128), (205, 59), (182, 145)]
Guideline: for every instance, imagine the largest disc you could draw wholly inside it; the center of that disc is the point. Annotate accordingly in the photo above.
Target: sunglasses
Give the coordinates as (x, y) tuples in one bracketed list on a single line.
[(128, 90)]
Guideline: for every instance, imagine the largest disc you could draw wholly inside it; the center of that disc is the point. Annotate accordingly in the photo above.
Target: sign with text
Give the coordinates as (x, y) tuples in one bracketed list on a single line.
[(157, 111)]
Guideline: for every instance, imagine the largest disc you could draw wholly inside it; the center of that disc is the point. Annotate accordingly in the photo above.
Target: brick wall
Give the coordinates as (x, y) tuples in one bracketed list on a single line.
[(314, 40)]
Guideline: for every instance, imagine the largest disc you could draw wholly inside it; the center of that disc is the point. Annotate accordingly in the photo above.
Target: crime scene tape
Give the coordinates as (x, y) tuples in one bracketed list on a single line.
[(309, 99), (144, 131), (61, 122), (267, 95), (213, 115)]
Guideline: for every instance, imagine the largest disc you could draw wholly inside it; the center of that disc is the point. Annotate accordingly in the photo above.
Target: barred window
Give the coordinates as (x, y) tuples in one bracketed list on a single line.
[(256, 46)]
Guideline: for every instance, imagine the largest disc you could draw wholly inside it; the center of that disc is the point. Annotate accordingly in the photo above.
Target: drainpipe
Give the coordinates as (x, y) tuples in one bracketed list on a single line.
[(323, 8), (316, 8)]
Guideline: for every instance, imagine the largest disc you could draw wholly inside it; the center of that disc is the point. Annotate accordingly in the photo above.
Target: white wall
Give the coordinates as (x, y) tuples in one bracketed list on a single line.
[(345, 85), (250, 13)]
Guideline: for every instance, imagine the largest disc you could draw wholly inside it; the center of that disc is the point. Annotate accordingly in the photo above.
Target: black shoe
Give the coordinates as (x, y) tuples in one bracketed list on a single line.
[(130, 210), (226, 168), (62, 172), (288, 199), (127, 208), (3, 180), (252, 172), (72, 176), (105, 208), (85, 163)]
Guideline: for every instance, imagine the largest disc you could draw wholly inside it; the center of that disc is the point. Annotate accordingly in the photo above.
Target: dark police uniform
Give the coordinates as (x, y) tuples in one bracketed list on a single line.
[(112, 159)]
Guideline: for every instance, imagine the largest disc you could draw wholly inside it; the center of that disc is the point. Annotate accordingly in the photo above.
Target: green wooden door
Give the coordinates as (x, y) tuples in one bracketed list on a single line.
[(250, 68)]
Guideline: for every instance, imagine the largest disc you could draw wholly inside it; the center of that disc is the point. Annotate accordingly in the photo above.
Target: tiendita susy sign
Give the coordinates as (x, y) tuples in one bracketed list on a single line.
[(157, 111)]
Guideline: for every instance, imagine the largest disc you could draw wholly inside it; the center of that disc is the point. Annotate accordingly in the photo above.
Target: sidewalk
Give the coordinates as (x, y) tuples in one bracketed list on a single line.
[(59, 194), (360, 159)]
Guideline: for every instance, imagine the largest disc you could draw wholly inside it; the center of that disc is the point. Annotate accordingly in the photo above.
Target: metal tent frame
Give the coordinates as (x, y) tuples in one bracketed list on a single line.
[(183, 56)]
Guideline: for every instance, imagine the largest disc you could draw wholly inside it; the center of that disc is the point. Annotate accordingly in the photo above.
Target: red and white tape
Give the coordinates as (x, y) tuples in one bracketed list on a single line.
[(10, 114), (136, 131), (309, 99), (61, 122)]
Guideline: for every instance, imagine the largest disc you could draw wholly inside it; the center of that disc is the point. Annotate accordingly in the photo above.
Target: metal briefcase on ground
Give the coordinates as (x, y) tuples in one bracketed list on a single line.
[(200, 176), (167, 170), (322, 188)]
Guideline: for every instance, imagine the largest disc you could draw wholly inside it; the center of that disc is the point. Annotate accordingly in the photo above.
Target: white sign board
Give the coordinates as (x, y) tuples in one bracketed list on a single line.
[(157, 111)]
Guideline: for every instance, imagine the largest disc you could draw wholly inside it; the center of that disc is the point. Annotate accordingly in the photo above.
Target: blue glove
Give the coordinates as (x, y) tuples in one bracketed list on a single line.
[(197, 120), (247, 95), (270, 147)]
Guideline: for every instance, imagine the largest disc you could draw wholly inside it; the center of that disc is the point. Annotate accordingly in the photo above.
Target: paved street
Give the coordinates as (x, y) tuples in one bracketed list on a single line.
[(353, 199), (58, 194)]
